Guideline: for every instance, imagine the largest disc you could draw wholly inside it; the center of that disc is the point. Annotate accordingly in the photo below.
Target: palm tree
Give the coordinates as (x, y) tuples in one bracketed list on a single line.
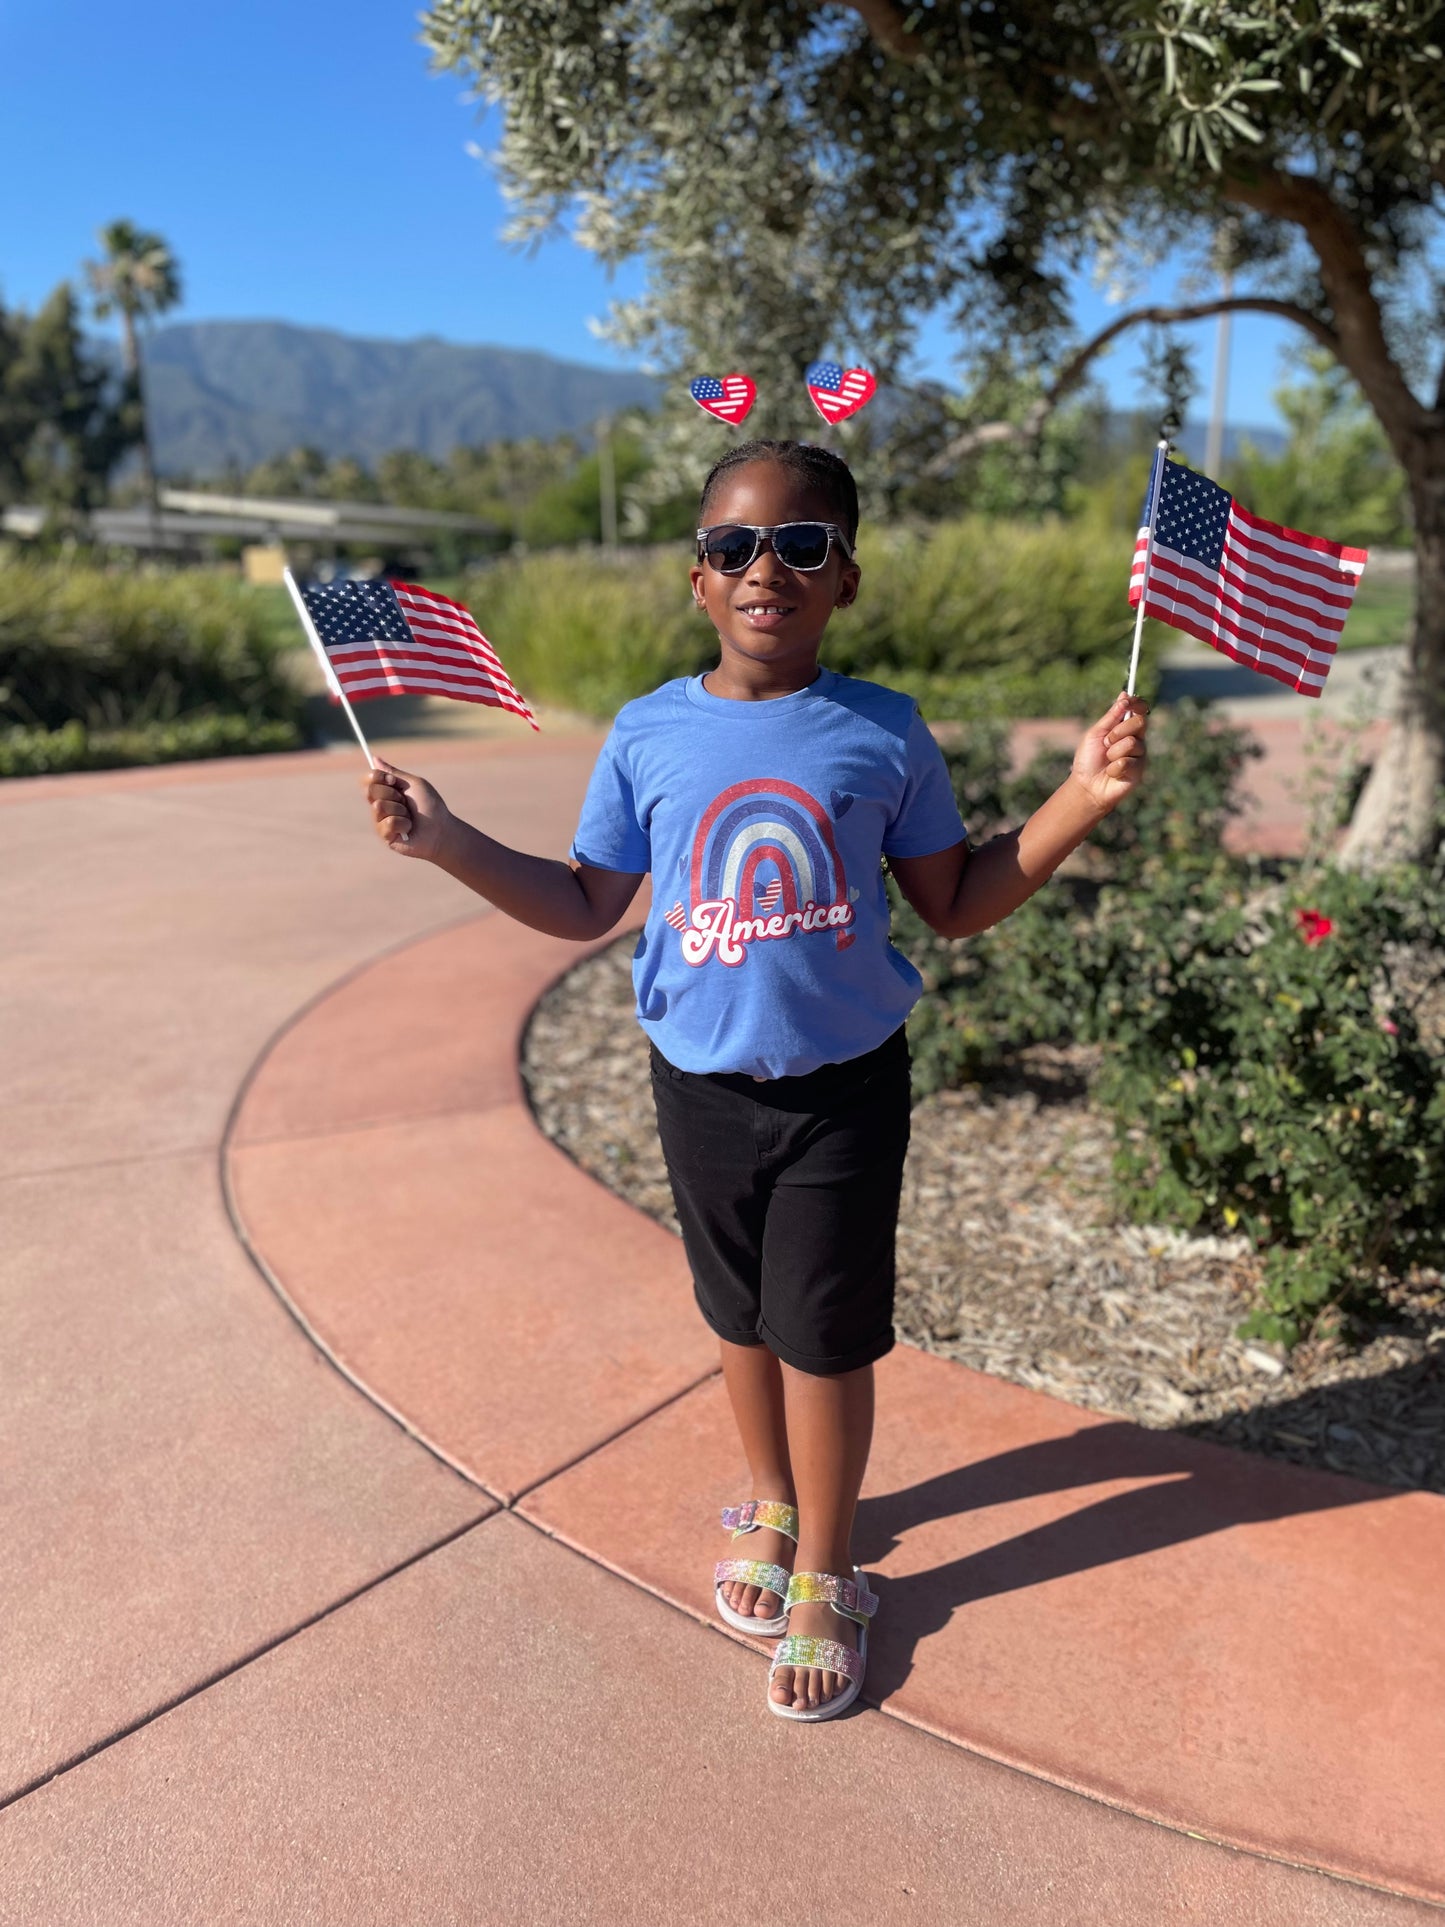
[(137, 278)]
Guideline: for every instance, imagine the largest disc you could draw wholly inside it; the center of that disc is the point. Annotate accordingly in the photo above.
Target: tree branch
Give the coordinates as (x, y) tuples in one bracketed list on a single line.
[(1348, 282), (1075, 368), (887, 24)]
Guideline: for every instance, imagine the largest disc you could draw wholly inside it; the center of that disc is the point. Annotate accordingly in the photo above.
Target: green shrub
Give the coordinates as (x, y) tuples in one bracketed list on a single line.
[(1257, 1080), (120, 652), (48, 752), (1269, 1074), (588, 632), (981, 599), (973, 618)]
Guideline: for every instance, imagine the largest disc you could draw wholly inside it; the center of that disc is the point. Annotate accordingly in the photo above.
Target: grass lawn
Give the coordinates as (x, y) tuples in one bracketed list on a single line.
[(1380, 612)]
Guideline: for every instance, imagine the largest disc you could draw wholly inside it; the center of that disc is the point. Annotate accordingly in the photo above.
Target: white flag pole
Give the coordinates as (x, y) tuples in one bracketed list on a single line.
[(331, 681), (1156, 484)]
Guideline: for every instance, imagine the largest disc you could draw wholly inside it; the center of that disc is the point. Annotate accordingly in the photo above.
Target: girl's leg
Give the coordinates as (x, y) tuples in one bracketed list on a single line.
[(830, 1431), (754, 1381)]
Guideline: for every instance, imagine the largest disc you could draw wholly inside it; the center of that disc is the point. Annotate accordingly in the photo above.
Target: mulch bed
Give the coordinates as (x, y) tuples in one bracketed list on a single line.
[(1010, 1260)]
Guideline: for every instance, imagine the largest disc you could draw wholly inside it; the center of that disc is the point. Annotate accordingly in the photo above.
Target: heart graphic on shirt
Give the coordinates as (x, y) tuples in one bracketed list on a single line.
[(854, 894), (656, 1006), (841, 804)]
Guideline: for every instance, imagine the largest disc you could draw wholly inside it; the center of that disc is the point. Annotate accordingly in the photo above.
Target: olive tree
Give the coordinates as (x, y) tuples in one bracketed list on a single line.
[(795, 175)]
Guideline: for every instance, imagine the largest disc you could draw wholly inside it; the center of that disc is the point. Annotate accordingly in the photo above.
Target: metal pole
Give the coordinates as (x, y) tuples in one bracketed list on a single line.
[(607, 483), (331, 679), (1161, 455), (1219, 406)]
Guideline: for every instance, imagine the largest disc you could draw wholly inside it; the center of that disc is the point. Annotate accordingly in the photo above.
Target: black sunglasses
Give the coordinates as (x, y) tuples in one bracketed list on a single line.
[(732, 547)]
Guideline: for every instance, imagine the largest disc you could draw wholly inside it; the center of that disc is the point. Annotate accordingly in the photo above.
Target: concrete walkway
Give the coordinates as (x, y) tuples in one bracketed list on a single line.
[(282, 1649)]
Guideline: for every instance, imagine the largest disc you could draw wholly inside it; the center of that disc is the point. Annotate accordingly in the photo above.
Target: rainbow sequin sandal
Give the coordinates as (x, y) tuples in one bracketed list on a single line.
[(777, 1517), (850, 1599)]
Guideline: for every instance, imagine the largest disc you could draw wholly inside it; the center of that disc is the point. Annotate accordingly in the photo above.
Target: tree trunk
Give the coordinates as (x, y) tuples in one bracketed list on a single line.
[(1398, 815), (147, 464)]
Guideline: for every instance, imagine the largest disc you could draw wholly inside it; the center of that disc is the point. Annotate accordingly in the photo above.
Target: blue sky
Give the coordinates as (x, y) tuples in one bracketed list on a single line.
[(306, 166)]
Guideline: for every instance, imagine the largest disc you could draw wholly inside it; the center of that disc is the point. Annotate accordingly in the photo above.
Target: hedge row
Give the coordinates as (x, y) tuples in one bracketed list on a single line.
[(975, 618), (98, 667)]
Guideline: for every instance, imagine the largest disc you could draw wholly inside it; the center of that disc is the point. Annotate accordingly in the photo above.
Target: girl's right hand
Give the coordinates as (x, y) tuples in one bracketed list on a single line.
[(409, 815)]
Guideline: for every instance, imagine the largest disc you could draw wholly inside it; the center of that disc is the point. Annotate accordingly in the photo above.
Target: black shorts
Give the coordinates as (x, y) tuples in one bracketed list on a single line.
[(787, 1193)]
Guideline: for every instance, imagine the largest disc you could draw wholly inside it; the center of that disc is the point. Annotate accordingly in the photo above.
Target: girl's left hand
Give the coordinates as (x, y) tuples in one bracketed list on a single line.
[(1109, 762)]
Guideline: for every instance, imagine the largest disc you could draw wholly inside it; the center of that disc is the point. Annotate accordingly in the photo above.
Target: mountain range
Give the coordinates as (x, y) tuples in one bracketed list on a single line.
[(234, 393), (224, 392)]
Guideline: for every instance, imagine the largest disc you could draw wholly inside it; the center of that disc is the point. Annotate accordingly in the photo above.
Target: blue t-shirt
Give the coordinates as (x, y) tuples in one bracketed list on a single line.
[(767, 949)]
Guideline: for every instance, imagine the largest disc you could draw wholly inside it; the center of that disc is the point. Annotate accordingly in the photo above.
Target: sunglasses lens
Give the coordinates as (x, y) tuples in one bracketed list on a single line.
[(801, 545), (730, 549)]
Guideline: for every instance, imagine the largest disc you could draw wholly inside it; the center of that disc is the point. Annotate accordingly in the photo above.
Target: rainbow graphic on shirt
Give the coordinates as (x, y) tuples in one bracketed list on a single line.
[(765, 865)]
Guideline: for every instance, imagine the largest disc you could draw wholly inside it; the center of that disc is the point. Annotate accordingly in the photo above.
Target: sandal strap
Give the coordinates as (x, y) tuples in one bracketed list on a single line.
[(826, 1655), (752, 1572), (771, 1513), (847, 1597)]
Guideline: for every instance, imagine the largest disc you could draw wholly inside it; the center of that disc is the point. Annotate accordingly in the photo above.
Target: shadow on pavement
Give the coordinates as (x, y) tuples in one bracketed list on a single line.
[(1194, 1496)]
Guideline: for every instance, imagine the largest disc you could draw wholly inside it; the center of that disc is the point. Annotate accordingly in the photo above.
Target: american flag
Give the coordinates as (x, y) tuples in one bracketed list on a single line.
[(772, 896), (838, 392), (728, 399), (677, 917), (398, 639), (1270, 597)]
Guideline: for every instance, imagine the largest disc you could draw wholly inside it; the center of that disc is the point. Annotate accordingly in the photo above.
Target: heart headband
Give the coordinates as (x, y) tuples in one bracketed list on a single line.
[(836, 392)]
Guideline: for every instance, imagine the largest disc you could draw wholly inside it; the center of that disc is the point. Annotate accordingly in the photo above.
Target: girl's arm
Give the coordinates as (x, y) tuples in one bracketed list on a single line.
[(958, 894), (563, 899)]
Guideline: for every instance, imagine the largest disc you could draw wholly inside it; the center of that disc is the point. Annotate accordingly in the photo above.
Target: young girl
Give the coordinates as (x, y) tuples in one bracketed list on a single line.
[(761, 796)]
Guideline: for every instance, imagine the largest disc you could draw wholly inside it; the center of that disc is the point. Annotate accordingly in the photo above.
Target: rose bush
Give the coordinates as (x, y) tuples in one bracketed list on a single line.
[(1270, 1045)]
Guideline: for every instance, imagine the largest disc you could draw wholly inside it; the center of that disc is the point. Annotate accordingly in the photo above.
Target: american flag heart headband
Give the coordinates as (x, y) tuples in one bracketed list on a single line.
[(835, 391)]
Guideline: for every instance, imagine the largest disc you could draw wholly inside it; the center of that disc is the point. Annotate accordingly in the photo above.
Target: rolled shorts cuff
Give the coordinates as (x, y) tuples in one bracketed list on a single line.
[(816, 1367), (731, 1338)]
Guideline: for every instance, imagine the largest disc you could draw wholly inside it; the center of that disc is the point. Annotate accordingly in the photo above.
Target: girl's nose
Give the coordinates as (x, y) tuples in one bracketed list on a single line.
[(765, 563)]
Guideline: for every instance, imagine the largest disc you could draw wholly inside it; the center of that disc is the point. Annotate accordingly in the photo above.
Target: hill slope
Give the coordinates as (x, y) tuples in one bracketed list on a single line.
[(240, 391)]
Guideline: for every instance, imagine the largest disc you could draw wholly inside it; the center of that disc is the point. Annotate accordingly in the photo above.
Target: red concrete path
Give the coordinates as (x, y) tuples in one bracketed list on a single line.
[(389, 1700), (1098, 1604)]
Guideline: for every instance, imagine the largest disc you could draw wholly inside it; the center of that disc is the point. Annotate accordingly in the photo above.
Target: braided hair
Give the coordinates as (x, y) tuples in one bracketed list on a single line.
[(824, 471)]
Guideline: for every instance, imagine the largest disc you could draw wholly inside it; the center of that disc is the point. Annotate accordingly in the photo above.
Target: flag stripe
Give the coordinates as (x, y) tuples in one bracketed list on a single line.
[(424, 618), (1296, 538), (432, 654), (473, 648), (1182, 572), (1266, 662), (1302, 567), (381, 682), (1173, 607), (414, 591), (1239, 562), (443, 625), (1165, 588)]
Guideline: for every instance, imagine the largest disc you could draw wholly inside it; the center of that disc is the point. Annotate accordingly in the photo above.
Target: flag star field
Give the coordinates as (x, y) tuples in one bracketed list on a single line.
[(355, 612)]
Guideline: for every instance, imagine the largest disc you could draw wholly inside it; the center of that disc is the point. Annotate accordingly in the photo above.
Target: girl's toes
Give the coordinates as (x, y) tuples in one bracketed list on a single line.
[(783, 1685), (767, 1606), (748, 1601)]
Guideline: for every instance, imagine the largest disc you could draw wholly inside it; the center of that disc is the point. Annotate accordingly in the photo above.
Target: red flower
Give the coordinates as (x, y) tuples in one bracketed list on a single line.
[(1313, 927)]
